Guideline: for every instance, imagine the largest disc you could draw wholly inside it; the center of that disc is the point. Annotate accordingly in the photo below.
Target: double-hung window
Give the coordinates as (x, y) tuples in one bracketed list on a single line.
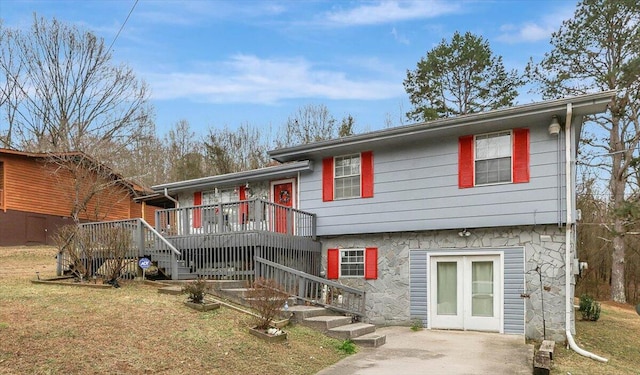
[(351, 262), (493, 158), (347, 176), (354, 262)]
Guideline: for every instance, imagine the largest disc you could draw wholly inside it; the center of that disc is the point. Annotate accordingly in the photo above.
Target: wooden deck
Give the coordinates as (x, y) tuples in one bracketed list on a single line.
[(230, 255)]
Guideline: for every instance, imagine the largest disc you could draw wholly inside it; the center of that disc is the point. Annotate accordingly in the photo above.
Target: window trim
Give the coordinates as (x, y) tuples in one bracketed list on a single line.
[(359, 175), (520, 159), (511, 156), (370, 263), (364, 263)]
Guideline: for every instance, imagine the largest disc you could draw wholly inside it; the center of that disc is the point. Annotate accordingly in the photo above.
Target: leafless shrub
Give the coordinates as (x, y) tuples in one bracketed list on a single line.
[(72, 240), (114, 244), (267, 297), (87, 249)]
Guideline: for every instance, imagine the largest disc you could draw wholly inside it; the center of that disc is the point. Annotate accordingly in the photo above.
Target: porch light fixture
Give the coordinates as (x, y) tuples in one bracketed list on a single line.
[(464, 233), (554, 127)]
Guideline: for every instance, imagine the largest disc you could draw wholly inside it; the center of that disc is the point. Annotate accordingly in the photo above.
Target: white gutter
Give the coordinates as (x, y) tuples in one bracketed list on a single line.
[(568, 236)]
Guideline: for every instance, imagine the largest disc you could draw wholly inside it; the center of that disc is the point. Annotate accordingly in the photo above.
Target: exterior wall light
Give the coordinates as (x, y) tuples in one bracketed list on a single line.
[(554, 127), (464, 233)]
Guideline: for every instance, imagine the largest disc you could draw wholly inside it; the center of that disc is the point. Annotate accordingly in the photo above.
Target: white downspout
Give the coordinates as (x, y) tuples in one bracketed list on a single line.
[(166, 195), (568, 235)]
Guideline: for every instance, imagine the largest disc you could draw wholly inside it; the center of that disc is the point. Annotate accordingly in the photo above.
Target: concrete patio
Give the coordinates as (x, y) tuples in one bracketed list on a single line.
[(439, 352)]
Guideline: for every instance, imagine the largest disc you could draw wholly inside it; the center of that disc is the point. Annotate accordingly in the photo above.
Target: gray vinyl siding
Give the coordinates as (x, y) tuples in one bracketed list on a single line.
[(416, 188), (513, 286), (418, 307), (513, 290)]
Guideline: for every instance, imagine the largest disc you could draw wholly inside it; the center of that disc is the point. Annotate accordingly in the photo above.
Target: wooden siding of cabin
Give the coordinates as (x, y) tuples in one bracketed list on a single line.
[(31, 185), (18, 228), (416, 188)]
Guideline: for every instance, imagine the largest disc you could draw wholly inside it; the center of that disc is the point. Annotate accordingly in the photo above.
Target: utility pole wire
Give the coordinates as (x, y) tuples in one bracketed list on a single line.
[(122, 27)]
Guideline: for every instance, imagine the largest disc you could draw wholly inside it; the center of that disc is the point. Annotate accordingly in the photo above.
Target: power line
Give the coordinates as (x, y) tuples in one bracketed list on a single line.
[(122, 27)]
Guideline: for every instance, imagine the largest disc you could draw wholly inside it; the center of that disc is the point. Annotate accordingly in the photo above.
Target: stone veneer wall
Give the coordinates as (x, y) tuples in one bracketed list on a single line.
[(388, 297)]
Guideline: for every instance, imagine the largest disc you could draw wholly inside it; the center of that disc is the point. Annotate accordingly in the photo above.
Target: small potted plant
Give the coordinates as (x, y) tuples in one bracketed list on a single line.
[(268, 299), (195, 291)]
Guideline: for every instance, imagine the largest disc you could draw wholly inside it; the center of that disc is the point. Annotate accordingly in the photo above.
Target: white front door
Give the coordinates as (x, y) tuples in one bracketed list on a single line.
[(466, 292)]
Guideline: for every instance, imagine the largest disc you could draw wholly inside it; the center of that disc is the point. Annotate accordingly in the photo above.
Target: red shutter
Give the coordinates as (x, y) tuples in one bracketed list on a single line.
[(244, 207), (333, 263), (327, 179), (520, 155), (465, 162), (371, 263), (197, 213), (366, 176)]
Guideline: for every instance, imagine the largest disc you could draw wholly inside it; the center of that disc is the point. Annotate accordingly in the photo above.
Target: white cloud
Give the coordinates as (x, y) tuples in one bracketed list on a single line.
[(399, 37), (534, 31), (390, 11), (249, 79)]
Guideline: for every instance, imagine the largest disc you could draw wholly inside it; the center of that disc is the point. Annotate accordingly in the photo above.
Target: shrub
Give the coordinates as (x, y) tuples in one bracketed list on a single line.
[(195, 290), (267, 297), (347, 346), (589, 308), (416, 325)]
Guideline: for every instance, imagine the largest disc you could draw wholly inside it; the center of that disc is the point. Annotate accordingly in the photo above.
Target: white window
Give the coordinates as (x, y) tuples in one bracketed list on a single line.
[(351, 262), (216, 196), (493, 158), (347, 176)]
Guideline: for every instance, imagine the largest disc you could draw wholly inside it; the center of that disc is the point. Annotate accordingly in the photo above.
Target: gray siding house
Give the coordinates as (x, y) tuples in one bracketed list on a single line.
[(451, 222)]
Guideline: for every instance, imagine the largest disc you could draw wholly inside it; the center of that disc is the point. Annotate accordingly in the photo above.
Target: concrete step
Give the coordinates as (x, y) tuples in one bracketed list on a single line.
[(302, 312), (370, 340), (324, 323), (351, 331)]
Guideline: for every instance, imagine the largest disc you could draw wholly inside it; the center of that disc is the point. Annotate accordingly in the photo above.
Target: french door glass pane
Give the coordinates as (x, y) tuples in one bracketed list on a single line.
[(447, 288), (482, 288)]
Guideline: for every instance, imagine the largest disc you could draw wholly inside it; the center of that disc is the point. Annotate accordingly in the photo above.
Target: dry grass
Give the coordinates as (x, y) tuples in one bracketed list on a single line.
[(616, 336), (48, 329)]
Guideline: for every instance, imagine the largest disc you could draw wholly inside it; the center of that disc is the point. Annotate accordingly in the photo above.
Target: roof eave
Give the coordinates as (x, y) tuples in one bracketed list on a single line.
[(238, 177), (582, 105)]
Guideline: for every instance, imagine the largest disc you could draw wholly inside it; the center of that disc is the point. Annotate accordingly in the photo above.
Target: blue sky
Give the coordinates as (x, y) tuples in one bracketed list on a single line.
[(225, 63)]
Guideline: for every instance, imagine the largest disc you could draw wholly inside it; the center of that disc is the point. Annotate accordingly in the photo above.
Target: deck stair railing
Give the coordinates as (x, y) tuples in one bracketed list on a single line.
[(240, 216), (313, 289), (145, 241)]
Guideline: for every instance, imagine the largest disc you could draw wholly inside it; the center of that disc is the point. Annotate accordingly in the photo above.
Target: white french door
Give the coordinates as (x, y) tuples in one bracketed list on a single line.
[(466, 292)]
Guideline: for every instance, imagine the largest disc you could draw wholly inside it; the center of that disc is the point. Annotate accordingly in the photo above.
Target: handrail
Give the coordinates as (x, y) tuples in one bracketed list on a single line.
[(314, 289), (308, 276), (159, 236), (237, 216)]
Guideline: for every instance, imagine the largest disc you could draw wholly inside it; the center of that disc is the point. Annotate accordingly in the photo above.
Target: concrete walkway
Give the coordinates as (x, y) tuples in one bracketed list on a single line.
[(439, 352)]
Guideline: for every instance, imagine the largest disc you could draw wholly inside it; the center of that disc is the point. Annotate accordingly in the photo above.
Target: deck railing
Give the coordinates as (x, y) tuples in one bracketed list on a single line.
[(240, 216), (144, 240), (313, 289)]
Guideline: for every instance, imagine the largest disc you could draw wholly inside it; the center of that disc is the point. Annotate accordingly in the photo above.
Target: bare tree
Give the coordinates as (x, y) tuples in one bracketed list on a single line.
[(61, 91), (310, 123), (228, 151), (94, 189), (63, 95), (599, 49), (184, 153)]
